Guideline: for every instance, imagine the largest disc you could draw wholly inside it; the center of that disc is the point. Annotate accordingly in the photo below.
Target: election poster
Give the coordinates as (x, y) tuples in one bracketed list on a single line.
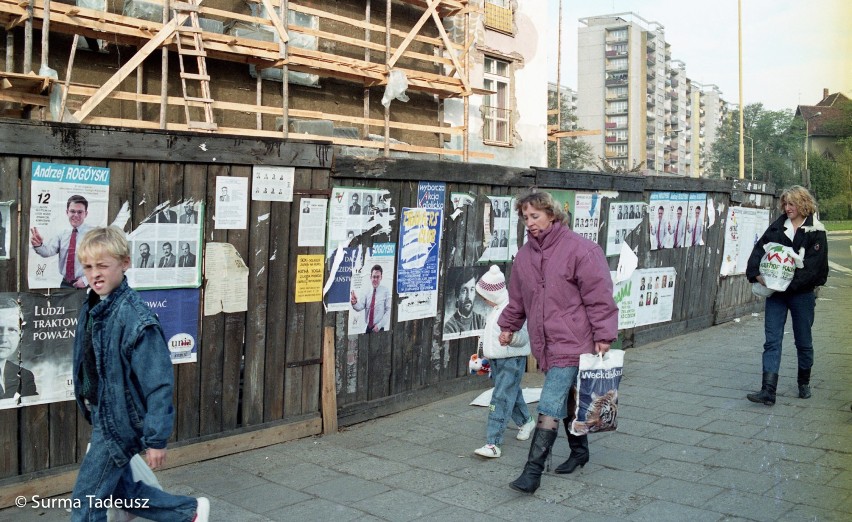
[(460, 199), (371, 289), (587, 213), (623, 219), (501, 241), (431, 194), (696, 218), (336, 288), (309, 270), (46, 348), (417, 270), (464, 312), (67, 201), (272, 183), (178, 312), (655, 301), (625, 300), (743, 228), (312, 222), (5, 229), (165, 249), (567, 199), (357, 210), (231, 203), (658, 219)]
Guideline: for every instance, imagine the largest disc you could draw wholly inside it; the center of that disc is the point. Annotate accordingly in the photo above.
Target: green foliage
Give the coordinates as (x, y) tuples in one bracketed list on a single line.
[(827, 178), (835, 226), (575, 153), (778, 146), (835, 208)]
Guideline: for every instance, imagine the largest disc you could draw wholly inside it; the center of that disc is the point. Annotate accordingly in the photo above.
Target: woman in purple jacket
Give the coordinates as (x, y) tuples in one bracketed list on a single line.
[(560, 284)]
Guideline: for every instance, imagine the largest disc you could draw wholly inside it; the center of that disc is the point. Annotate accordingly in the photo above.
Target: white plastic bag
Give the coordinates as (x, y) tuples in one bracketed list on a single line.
[(779, 264), (396, 87), (141, 473), (597, 392)]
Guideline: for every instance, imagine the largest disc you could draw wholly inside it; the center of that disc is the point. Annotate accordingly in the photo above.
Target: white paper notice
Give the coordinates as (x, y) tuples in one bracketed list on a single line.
[(231, 203), (627, 263), (272, 183), (227, 289), (312, 222)]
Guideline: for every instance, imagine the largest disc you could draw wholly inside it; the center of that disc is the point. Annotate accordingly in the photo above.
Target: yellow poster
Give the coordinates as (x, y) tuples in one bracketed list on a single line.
[(309, 270)]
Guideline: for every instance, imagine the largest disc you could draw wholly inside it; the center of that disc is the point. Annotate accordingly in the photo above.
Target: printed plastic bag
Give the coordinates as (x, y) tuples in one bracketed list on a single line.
[(141, 473), (779, 264), (597, 392)]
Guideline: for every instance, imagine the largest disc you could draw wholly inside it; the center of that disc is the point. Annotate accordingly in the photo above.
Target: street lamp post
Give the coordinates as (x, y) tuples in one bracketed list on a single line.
[(752, 153), (807, 145)]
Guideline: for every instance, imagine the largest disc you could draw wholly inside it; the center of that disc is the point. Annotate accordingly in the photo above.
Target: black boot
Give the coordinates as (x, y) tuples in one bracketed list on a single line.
[(579, 445), (766, 395), (804, 383), (530, 479)]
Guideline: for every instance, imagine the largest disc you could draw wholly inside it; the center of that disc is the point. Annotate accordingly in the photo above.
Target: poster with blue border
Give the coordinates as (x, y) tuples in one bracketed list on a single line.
[(418, 264), (431, 194)]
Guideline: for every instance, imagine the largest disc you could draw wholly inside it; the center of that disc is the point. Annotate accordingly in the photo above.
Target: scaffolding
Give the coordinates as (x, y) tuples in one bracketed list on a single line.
[(443, 72)]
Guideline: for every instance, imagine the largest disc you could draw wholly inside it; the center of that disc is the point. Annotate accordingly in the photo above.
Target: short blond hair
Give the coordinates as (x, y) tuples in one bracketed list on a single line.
[(104, 240), (542, 201), (801, 197)]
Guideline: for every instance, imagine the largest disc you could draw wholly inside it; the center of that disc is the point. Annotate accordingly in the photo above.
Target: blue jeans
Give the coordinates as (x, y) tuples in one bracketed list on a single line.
[(554, 393), (801, 307), (100, 478), (507, 398)]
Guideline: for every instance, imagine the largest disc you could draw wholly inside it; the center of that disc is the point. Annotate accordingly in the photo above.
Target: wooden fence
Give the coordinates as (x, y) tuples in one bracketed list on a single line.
[(258, 376)]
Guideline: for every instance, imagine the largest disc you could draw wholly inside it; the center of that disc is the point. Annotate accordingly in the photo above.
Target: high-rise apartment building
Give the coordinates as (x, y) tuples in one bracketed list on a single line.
[(643, 102)]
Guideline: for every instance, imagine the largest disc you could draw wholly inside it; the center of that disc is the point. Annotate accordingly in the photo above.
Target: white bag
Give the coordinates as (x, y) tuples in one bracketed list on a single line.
[(597, 392), (141, 473), (779, 264)]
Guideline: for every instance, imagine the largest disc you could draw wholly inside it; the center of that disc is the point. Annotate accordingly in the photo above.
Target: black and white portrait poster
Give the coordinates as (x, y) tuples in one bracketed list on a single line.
[(464, 310), (501, 242), (47, 344), (587, 214), (623, 219), (165, 249), (356, 210), (66, 202)]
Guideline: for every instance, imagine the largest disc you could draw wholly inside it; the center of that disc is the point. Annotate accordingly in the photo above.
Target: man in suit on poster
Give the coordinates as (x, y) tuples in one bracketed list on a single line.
[(189, 216), (187, 258), (696, 230), (145, 259), (14, 379), (375, 301), (168, 259), (65, 243), (658, 230)]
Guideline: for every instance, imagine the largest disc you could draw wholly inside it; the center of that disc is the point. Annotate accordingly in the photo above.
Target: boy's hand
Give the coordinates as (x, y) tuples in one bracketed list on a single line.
[(155, 457), (505, 337)]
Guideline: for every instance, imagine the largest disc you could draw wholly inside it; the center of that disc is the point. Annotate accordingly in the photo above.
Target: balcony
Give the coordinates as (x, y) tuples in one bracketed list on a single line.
[(620, 66), (649, 143), (616, 139), (615, 96), (675, 83), (615, 54), (616, 111), (615, 153), (651, 101), (650, 116), (651, 60), (610, 125), (651, 89), (610, 139), (615, 82), (618, 37)]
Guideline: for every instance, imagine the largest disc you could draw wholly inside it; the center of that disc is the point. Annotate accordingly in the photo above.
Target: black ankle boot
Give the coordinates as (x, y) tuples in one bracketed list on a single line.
[(766, 395), (579, 454), (530, 479), (804, 381)]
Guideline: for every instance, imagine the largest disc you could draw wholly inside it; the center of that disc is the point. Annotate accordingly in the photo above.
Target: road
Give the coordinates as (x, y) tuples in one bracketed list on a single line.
[(840, 252)]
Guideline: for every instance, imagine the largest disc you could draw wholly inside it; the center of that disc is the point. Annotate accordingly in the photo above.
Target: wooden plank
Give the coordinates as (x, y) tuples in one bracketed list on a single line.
[(9, 176), (259, 273), (30, 138), (413, 170), (329, 391)]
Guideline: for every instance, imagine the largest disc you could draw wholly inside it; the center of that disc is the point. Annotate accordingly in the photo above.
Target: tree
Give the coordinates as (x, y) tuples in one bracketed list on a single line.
[(777, 146), (575, 153)]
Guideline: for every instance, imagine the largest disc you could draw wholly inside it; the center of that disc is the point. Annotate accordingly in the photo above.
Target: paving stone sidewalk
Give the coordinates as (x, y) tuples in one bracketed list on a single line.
[(689, 447)]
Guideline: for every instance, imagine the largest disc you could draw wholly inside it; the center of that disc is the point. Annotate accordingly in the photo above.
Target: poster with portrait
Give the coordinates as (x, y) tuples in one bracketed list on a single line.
[(655, 300), (312, 222), (336, 289), (272, 183), (66, 202), (417, 270), (501, 242), (460, 199), (371, 289), (231, 203), (623, 219), (5, 228), (165, 249), (658, 219), (46, 347), (353, 211), (743, 228), (678, 212), (178, 312), (464, 311), (587, 214), (567, 199), (696, 218)]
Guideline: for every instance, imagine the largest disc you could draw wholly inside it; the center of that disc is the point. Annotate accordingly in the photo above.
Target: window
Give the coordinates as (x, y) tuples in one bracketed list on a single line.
[(497, 112)]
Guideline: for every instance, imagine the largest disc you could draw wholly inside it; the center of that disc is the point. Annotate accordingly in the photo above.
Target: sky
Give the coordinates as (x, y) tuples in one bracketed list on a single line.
[(792, 49)]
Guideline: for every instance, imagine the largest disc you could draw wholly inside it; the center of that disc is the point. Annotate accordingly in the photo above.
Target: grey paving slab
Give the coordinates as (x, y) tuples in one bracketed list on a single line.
[(316, 509), (371, 468), (680, 491), (265, 497), (748, 505), (682, 452), (662, 511), (386, 506), (422, 480), (346, 489), (457, 514), (302, 475), (738, 480)]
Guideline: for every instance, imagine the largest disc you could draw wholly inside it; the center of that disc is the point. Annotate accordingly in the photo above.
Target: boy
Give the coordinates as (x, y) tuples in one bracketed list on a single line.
[(508, 363), (123, 384)]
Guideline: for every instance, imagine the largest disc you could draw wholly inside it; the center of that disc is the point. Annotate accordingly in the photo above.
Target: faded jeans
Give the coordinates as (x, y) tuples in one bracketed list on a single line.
[(506, 399), (554, 393), (801, 307)]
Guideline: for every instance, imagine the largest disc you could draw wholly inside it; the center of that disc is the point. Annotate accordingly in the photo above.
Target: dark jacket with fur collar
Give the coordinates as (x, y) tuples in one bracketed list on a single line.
[(811, 237)]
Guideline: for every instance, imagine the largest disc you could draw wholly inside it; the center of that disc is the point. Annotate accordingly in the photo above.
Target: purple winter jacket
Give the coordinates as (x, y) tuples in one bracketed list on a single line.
[(560, 284)]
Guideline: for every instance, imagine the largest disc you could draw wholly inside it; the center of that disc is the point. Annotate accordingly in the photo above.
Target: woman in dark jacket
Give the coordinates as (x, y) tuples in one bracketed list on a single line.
[(797, 228)]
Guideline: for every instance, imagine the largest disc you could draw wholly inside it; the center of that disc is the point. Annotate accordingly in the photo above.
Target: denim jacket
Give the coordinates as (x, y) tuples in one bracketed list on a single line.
[(134, 370)]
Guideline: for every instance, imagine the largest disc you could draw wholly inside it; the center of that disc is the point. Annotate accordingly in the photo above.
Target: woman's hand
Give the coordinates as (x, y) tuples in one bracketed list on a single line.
[(761, 280), (601, 347), (506, 337)]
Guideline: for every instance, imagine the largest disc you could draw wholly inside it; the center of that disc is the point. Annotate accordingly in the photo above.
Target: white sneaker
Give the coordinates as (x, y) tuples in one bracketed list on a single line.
[(202, 512), (489, 451), (526, 430)]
